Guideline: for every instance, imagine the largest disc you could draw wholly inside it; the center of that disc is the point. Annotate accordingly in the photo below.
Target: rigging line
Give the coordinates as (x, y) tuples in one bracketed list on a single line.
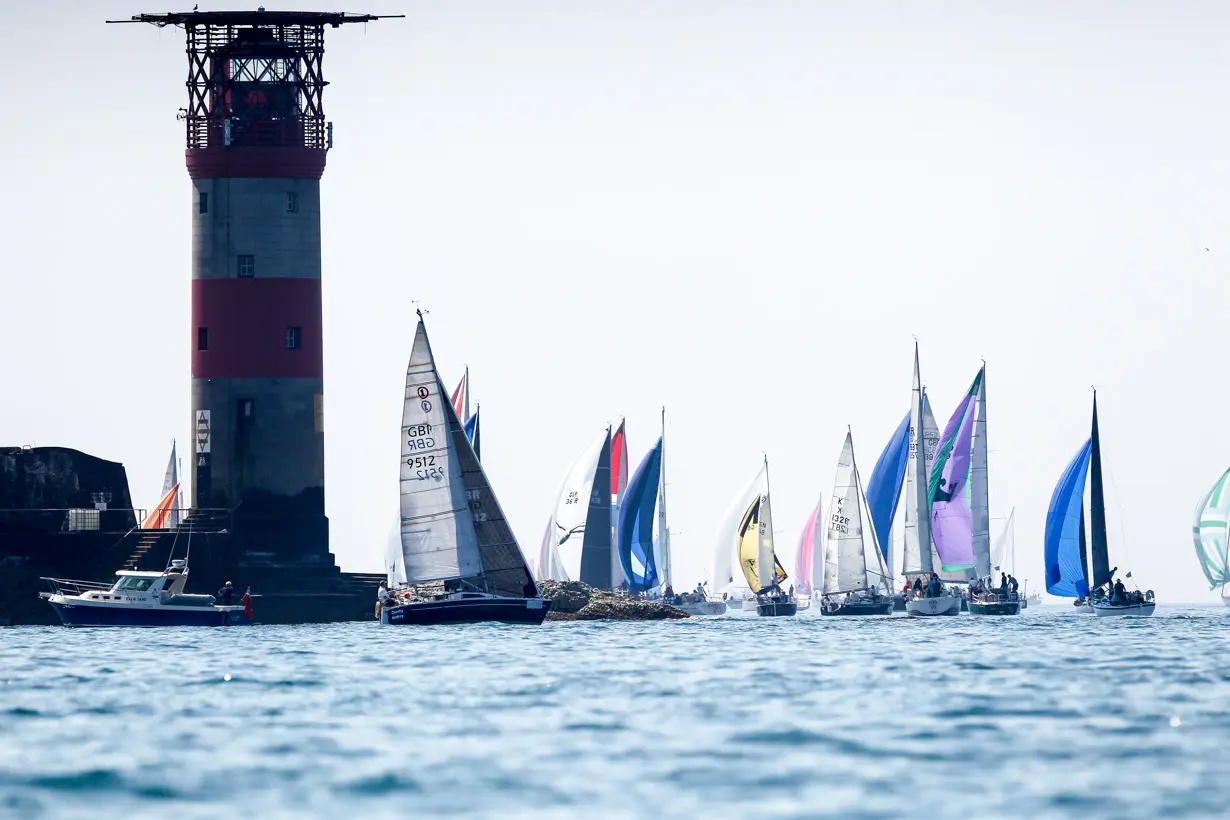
[(1127, 552)]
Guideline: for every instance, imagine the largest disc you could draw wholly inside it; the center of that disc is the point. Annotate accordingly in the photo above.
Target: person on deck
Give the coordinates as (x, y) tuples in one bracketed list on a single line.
[(918, 586), (226, 594), (1120, 595), (1012, 584)]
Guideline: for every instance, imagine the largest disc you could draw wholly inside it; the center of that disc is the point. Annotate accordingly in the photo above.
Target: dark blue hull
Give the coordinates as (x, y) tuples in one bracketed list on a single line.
[(467, 611), (77, 615), (884, 607)]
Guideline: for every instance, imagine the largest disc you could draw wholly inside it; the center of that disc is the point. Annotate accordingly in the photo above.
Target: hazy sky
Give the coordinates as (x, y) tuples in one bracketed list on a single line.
[(741, 210)]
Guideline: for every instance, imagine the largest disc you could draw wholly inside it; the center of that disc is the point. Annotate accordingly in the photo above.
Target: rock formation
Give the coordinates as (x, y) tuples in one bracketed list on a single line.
[(574, 601)]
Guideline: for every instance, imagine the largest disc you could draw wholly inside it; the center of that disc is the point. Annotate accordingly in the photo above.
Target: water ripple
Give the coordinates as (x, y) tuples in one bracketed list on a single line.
[(1046, 715)]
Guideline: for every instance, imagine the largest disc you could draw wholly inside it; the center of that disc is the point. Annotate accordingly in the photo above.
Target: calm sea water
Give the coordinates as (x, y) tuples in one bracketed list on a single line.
[(1046, 715)]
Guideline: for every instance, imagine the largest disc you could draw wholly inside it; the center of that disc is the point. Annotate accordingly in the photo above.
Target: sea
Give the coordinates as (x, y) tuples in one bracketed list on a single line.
[(1050, 714)]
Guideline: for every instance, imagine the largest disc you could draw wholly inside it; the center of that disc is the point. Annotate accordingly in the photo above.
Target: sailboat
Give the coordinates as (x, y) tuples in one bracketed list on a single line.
[(166, 513), (919, 554), (577, 545), (1211, 534), (645, 556), (811, 545), (1003, 558), (744, 549), (853, 563), (453, 532), (761, 569), (960, 505), (1074, 570)]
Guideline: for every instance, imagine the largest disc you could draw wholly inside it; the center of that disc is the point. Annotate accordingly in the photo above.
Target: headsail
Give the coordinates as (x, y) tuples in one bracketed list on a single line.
[(472, 433), (504, 570), (950, 511), (760, 566), (619, 483), (884, 487), (438, 539), (725, 568), (1065, 572), (166, 513), (662, 548), (810, 543), (1211, 532), (1004, 547), (460, 398), (570, 523), (1099, 558), (636, 517)]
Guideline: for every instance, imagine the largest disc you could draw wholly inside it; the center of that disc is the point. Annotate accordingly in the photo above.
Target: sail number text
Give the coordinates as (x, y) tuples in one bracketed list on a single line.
[(840, 523), (418, 437)]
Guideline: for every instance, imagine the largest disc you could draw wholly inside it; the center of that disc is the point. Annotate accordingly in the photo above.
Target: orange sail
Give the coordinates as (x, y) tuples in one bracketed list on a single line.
[(161, 514)]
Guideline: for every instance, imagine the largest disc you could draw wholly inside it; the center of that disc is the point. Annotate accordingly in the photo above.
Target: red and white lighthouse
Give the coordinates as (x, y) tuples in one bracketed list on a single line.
[(257, 139)]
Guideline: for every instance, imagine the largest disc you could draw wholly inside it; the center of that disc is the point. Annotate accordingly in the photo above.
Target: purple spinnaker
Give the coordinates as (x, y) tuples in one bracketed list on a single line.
[(951, 522)]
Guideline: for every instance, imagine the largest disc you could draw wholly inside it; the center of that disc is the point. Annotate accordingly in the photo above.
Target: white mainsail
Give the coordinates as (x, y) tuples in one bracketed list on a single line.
[(924, 438), (725, 566), (438, 539), (662, 544), (766, 560), (565, 534), (980, 500), (852, 558)]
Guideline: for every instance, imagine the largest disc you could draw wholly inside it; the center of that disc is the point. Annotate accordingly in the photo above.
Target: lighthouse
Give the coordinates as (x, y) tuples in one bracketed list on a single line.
[(256, 142)]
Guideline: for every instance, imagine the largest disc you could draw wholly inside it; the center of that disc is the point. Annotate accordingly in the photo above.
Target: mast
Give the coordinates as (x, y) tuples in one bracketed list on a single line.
[(979, 483), (766, 560), (664, 531), (918, 511), (1099, 559)]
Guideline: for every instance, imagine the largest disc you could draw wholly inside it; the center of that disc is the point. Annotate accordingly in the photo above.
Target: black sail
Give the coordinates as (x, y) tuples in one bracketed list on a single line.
[(596, 548), (505, 571), (1100, 563)]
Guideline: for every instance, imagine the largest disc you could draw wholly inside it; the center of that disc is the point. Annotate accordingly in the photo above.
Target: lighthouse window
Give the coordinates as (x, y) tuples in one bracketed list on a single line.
[(247, 264), (202, 338), (202, 203), (292, 338), (292, 202)]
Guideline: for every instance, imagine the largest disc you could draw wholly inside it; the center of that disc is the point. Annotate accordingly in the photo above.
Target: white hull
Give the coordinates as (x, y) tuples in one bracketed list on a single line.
[(803, 602), (945, 605), (705, 609), (1083, 609), (1225, 600), (1139, 610)]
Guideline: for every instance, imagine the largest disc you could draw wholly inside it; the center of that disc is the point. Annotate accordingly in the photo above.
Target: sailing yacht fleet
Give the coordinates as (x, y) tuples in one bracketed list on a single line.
[(458, 561)]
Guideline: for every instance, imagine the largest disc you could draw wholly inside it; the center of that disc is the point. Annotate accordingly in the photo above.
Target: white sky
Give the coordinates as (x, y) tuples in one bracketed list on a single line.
[(741, 210)]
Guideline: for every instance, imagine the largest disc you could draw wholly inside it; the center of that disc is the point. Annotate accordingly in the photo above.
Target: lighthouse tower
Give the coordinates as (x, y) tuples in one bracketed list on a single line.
[(257, 138)]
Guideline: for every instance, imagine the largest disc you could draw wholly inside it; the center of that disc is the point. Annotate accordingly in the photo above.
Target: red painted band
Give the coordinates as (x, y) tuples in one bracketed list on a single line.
[(255, 163), (248, 320)]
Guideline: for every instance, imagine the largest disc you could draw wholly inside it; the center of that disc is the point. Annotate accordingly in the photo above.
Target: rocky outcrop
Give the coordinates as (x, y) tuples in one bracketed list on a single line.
[(574, 601)]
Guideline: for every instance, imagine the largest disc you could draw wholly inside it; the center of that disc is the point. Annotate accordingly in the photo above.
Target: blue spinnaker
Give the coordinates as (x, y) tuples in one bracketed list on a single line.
[(884, 488), (640, 501), (471, 429), (1065, 577)]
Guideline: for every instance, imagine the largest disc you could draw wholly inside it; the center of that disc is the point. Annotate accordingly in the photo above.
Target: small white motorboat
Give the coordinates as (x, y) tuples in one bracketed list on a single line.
[(140, 599)]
